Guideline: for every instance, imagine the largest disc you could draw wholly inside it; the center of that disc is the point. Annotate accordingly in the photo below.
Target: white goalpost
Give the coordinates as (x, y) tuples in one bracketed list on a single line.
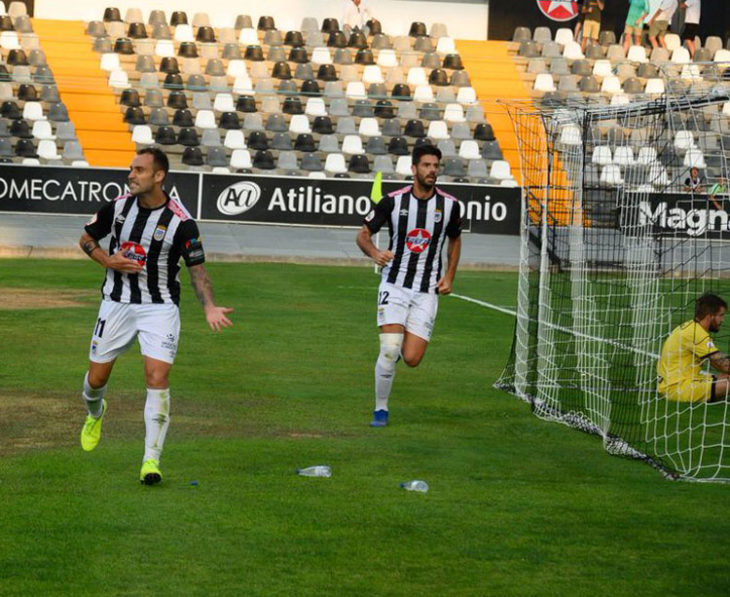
[(615, 249)]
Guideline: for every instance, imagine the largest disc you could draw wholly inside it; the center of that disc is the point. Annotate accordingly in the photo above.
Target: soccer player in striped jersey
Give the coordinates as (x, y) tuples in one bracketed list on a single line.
[(150, 233), (420, 218)]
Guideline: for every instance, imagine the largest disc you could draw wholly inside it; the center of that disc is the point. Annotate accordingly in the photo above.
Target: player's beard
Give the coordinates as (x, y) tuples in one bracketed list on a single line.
[(425, 184)]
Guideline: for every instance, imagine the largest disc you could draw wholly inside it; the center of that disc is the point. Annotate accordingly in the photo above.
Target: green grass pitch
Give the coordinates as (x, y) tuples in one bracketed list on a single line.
[(517, 506)]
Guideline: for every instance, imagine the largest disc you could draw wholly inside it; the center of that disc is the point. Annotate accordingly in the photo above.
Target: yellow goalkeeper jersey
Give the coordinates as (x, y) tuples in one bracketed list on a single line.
[(682, 354)]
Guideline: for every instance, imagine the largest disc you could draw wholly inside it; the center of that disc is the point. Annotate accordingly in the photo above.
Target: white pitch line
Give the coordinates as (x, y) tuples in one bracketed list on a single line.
[(484, 304)]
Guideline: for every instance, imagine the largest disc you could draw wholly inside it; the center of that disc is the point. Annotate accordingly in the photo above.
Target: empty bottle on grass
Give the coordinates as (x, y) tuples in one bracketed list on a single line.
[(415, 485), (321, 470)]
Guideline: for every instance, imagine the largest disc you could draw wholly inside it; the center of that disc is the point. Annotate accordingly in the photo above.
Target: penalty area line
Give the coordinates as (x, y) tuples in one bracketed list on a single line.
[(468, 299)]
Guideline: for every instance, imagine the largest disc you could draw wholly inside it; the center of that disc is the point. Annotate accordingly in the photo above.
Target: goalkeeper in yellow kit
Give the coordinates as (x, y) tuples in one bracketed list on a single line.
[(683, 354)]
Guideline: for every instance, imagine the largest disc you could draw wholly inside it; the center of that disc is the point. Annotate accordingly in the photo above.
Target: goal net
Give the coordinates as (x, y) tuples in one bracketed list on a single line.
[(619, 238)]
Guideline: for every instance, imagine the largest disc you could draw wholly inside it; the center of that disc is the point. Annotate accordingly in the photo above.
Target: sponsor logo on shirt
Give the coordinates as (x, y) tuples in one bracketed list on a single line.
[(417, 240), (134, 251), (558, 10)]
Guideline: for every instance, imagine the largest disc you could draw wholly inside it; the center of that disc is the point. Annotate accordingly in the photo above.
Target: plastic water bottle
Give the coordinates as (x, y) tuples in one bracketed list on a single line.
[(415, 485), (320, 470)]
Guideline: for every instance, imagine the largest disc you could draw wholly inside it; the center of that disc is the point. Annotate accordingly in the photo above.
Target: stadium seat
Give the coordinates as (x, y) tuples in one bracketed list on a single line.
[(500, 170), (602, 155), (680, 55), (403, 165), (672, 41), (33, 111), (611, 176), (564, 36), (540, 35), (722, 56), (637, 54), (454, 113), (611, 85), (438, 129), (299, 123), (572, 51), (142, 134), (42, 130), (694, 158), (522, 34), (623, 156), (352, 145), (423, 93), (544, 82), (387, 58), (654, 86), (369, 128), (335, 163), (469, 150), (602, 68)]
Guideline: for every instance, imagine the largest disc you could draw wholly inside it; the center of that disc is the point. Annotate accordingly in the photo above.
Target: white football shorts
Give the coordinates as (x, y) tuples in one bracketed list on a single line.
[(157, 326), (416, 311)]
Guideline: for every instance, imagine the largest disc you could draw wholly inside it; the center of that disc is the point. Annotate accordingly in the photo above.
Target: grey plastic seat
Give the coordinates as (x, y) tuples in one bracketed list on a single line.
[(529, 49), (216, 157), (491, 150), (537, 66), (149, 81), (333, 89), (477, 169), (57, 112), (447, 147), (72, 151), (145, 64), (201, 101), (454, 166), (270, 104), (582, 68), (66, 131), (349, 72), (407, 110), (252, 122), (311, 163), (551, 49), (376, 146), (460, 130), (475, 113), (391, 128), (541, 35), (615, 53), (383, 164), (329, 144), (277, 54), (210, 138), (304, 71), (568, 83), (346, 126), (287, 161), (276, 123), (281, 141), (559, 66), (49, 94), (159, 117), (594, 52), (521, 34), (342, 56), (362, 109), (339, 107), (6, 147)]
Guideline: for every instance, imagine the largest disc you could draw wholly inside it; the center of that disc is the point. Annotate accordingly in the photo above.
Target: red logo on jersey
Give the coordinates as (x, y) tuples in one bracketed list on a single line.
[(134, 251), (558, 10), (417, 240)]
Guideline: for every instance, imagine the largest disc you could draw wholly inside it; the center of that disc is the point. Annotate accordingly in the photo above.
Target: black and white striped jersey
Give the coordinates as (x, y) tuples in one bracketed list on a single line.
[(157, 238), (418, 228)]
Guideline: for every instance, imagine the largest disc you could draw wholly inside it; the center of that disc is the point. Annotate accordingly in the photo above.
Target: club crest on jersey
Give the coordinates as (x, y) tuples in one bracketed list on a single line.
[(159, 233), (417, 240), (134, 251), (437, 215)]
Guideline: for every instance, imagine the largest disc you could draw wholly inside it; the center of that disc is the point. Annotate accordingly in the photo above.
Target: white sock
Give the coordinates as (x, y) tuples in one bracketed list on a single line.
[(156, 420), (93, 397), (390, 345)]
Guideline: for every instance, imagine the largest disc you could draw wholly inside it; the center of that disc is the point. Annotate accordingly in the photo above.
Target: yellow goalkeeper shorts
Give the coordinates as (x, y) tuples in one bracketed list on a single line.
[(691, 390)]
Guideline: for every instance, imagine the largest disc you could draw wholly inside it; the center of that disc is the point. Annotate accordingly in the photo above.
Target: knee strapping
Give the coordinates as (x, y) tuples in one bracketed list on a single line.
[(390, 345)]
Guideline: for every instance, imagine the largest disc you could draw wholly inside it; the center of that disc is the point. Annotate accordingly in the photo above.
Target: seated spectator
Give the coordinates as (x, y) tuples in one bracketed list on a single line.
[(638, 10), (659, 22), (592, 21), (719, 188), (694, 183), (355, 14)]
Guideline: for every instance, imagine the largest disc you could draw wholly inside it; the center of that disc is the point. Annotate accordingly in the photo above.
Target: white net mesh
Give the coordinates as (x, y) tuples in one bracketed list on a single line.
[(619, 238)]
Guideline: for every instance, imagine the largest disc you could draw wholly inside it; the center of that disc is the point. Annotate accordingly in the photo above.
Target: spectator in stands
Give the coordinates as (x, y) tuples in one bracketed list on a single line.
[(691, 23), (659, 22), (579, 22), (719, 188), (694, 183), (355, 14), (592, 21), (638, 10)]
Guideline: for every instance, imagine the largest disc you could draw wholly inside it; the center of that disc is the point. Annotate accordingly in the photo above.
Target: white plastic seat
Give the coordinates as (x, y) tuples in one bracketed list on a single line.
[(454, 113), (602, 155), (321, 55), (672, 41), (624, 155), (315, 107), (33, 111), (47, 150), (658, 175), (356, 90), (372, 74), (654, 86), (726, 109), (118, 79), (683, 140), (164, 48), (722, 56), (236, 68), (220, 170), (42, 130), (423, 93), (637, 54), (9, 40), (619, 99), (223, 102), (611, 175), (602, 68), (694, 158), (387, 58), (611, 84), (142, 134), (446, 45), (335, 163), (248, 37), (437, 130), (647, 155), (544, 82), (572, 51), (31, 162), (680, 55), (469, 150), (563, 36), (234, 139), (240, 158), (184, 32), (691, 72), (403, 165), (299, 124), (243, 86), (369, 128), (352, 145), (417, 76), (466, 95), (205, 119), (500, 170), (570, 135), (80, 164), (317, 175), (109, 61)]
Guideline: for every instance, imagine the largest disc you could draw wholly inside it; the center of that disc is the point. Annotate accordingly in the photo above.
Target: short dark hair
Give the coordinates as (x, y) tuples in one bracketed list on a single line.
[(159, 158), (708, 304), (421, 150)]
